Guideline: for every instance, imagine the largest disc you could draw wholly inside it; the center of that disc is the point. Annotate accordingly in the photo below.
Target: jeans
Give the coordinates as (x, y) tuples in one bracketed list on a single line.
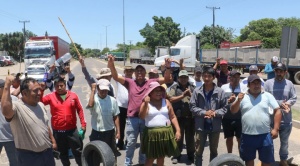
[(284, 134), (10, 152), (200, 138), (134, 127)]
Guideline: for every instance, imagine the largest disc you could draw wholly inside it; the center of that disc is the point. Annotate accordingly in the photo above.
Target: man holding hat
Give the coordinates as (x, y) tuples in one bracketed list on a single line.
[(6, 137), (222, 75), (104, 110), (257, 134), (269, 68), (284, 92), (136, 89), (232, 122), (122, 99), (180, 95), (253, 69)]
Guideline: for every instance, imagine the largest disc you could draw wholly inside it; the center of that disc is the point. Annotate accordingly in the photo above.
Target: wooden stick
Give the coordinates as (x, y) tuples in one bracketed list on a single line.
[(79, 56)]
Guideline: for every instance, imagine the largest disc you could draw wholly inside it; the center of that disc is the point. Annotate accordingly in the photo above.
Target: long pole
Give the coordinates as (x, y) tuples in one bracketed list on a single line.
[(106, 34), (124, 51), (79, 56)]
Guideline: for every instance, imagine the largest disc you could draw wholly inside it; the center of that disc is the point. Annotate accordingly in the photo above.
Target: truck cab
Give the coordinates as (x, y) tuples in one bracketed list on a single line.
[(186, 48), (39, 52)]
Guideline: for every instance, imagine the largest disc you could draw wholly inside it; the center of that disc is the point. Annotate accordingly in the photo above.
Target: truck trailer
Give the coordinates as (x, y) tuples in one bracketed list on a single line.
[(44, 50)]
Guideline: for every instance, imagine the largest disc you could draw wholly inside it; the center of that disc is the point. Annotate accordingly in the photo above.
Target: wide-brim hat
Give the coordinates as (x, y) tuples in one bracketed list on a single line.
[(152, 86)]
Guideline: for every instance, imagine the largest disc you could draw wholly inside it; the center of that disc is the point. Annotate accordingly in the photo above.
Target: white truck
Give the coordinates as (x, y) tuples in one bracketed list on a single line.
[(35, 71), (186, 48), (142, 55)]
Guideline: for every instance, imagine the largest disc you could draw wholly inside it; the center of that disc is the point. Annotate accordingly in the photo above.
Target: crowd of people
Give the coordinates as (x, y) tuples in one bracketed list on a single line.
[(163, 111)]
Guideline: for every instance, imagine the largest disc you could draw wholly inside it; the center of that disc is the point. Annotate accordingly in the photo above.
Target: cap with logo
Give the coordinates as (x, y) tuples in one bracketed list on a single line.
[(234, 72), (223, 62), (253, 77), (253, 67), (275, 59), (183, 73), (280, 66), (198, 69)]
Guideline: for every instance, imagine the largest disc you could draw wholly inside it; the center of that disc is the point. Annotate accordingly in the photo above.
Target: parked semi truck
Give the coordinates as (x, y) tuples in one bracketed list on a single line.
[(142, 55), (238, 58), (44, 50)]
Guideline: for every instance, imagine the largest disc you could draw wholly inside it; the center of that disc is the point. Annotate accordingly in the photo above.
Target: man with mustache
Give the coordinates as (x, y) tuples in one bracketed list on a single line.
[(284, 92)]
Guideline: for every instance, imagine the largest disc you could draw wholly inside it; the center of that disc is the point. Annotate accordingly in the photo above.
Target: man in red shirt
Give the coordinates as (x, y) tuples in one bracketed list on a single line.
[(63, 106)]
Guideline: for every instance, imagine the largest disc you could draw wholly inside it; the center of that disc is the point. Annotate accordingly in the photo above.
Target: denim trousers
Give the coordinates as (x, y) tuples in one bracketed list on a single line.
[(30, 158), (284, 134), (10, 152), (134, 127), (200, 139)]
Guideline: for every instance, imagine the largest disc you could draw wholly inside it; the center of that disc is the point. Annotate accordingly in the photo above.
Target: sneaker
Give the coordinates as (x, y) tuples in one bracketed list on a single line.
[(174, 161), (283, 163)]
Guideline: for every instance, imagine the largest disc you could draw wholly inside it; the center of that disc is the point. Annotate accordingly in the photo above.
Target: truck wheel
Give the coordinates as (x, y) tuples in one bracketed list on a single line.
[(96, 152), (297, 77), (226, 160)]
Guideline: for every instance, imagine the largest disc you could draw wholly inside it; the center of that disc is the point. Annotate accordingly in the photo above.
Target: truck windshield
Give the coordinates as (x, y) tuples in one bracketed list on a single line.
[(174, 51), (40, 52), (35, 71)]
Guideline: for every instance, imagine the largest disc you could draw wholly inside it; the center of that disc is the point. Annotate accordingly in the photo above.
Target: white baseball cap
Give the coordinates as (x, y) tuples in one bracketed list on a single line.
[(103, 84), (275, 59)]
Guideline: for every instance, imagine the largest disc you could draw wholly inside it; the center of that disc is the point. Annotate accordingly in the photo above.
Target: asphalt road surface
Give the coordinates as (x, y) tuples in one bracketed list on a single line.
[(82, 89)]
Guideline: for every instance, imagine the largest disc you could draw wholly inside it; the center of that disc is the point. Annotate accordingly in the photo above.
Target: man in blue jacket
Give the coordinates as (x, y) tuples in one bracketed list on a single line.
[(269, 69)]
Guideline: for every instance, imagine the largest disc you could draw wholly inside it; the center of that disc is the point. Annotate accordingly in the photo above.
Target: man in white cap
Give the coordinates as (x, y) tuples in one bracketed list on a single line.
[(153, 73), (253, 69), (269, 69), (104, 110)]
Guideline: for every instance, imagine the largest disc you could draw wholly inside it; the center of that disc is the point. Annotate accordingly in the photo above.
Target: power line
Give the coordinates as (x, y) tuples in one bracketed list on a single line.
[(213, 9)]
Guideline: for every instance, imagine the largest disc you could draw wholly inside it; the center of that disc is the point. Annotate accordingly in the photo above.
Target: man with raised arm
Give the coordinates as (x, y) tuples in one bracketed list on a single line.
[(137, 88)]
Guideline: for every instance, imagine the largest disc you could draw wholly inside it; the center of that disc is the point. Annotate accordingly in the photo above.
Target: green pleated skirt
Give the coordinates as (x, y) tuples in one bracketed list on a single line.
[(159, 142)]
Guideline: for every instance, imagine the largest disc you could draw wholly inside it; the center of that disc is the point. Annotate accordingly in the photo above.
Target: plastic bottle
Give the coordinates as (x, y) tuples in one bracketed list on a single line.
[(63, 59), (45, 77)]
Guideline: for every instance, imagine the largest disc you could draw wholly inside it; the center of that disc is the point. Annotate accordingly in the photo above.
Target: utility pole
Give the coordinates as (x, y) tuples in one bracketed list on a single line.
[(24, 30), (213, 9), (124, 49), (106, 33)]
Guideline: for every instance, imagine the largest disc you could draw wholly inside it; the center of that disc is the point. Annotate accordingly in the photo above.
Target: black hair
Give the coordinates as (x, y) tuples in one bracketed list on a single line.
[(209, 70), (59, 79), (25, 84)]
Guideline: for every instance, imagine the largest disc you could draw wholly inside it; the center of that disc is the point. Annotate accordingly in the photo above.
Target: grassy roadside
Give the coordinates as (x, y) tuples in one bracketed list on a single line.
[(296, 114)]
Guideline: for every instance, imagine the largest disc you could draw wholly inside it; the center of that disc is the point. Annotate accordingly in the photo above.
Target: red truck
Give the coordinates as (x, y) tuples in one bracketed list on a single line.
[(44, 50)]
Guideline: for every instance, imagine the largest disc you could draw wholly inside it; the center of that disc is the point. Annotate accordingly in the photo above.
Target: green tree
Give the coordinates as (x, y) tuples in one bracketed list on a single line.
[(73, 51), (267, 30), (163, 32), (13, 44), (291, 22), (105, 50), (221, 34)]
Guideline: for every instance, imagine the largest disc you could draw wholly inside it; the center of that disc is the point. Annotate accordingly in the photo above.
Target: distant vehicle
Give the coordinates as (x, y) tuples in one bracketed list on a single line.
[(119, 56), (2, 61), (142, 55), (35, 71), (102, 56), (10, 60)]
